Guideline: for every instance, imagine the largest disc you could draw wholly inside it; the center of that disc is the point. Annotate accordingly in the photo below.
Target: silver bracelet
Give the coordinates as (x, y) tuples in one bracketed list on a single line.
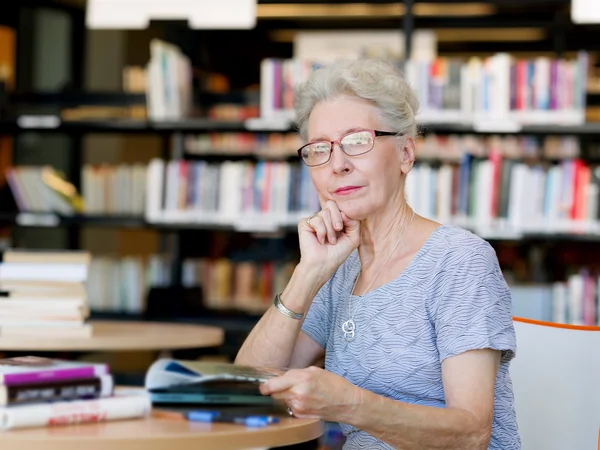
[(283, 310)]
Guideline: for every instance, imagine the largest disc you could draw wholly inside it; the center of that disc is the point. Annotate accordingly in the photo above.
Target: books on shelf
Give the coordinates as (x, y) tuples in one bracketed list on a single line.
[(473, 181), (42, 294), (253, 196), (493, 185), (243, 285), (262, 145), (500, 92), (278, 77), (114, 189), (106, 190), (500, 185), (43, 190), (574, 301), (168, 82), (121, 284), (38, 392)]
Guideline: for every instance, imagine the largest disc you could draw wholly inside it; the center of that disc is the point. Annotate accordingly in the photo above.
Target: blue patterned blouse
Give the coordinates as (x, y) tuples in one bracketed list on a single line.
[(451, 298)]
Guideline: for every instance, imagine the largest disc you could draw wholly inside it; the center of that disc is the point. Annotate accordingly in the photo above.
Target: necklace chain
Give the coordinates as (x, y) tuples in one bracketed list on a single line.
[(349, 327)]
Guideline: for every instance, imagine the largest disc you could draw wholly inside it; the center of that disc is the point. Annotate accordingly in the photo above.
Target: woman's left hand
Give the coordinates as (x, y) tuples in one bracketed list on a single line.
[(313, 393)]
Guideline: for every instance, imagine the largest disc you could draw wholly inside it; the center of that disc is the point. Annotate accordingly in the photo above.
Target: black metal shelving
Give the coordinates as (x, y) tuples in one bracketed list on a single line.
[(52, 124)]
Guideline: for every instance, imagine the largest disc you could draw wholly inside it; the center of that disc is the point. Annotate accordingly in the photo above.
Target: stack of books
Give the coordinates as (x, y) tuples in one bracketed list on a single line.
[(42, 294), (39, 392)]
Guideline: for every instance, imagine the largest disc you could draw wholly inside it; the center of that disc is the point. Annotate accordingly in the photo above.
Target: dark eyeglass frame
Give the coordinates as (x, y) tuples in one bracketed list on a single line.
[(374, 133)]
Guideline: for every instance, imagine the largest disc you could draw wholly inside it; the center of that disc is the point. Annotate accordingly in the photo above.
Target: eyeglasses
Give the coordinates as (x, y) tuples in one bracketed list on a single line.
[(352, 144)]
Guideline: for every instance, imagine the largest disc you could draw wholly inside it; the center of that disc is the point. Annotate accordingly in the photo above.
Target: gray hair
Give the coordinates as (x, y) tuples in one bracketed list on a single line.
[(371, 79)]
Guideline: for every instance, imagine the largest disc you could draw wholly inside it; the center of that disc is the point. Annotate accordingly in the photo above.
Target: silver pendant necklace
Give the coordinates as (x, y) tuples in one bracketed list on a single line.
[(349, 326)]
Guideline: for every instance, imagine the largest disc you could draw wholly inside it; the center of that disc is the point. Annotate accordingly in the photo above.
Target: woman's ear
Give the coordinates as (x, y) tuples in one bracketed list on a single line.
[(406, 152)]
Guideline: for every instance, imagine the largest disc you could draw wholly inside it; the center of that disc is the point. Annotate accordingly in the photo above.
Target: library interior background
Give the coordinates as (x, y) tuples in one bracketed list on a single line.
[(162, 145)]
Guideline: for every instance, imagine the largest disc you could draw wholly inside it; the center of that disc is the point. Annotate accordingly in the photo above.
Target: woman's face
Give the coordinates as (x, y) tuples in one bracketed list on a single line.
[(360, 185)]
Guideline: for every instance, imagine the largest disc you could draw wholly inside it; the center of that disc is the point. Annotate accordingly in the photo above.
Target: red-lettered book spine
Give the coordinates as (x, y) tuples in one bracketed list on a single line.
[(117, 407)]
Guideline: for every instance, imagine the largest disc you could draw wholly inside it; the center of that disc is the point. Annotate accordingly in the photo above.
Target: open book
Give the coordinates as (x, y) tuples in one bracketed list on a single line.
[(201, 382)]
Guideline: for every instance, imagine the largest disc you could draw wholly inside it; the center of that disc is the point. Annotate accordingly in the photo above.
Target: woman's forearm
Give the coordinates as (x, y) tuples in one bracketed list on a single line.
[(271, 342), (416, 427)]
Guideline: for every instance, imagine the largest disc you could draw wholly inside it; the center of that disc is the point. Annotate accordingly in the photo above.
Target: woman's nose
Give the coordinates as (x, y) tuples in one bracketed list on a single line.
[(339, 160)]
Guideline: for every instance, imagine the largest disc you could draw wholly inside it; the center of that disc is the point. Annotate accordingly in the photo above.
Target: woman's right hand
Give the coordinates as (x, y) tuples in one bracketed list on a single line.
[(329, 238)]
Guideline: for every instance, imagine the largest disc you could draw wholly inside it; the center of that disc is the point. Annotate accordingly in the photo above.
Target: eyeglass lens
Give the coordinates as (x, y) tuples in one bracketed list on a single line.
[(353, 144)]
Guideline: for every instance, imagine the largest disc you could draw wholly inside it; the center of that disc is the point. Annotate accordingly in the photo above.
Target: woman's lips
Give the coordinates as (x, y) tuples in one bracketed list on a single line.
[(346, 190)]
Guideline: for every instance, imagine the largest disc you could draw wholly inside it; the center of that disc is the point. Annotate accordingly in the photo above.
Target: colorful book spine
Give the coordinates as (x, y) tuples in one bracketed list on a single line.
[(66, 373)]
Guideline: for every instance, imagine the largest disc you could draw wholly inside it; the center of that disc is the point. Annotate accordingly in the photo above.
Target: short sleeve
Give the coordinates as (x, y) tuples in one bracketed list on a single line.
[(473, 308), (319, 316)]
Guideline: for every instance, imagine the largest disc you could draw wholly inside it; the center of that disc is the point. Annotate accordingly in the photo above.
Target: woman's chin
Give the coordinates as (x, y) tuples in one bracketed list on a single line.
[(356, 213)]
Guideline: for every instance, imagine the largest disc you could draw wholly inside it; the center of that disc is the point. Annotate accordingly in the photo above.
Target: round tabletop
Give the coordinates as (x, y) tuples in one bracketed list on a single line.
[(124, 336), (155, 433)]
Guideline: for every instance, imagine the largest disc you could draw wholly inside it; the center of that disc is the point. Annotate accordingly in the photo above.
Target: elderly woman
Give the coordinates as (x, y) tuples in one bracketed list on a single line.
[(412, 317)]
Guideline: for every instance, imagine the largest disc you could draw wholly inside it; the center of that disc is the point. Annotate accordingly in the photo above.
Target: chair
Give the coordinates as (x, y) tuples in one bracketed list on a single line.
[(556, 380)]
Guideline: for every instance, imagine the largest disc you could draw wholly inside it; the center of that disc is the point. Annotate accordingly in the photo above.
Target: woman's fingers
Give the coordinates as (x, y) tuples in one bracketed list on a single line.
[(323, 228), (331, 233), (336, 215), (318, 225), (327, 223)]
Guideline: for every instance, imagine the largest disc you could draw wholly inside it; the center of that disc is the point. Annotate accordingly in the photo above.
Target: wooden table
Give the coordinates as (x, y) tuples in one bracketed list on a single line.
[(124, 336), (162, 434)]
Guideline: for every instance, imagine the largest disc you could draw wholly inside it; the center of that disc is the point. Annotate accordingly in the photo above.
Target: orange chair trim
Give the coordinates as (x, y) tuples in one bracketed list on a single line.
[(557, 325)]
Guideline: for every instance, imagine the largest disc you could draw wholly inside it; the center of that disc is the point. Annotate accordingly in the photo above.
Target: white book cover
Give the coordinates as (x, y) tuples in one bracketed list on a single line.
[(554, 189), (28, 188), (518, 183), (43, 272), (230, 189), (484, 191), (444, 194), (536, 196), (154, 189), (500, 88), (267, 88), (123, 405), (425, 193)]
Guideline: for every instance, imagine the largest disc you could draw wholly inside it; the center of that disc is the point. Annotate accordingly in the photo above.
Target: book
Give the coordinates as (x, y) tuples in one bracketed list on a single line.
[(43, 289), (189, 382), (122, 405), (166, 373), (54, 330), (21, 271), (208, 398), (33, 369), (19, 255), (54, 391)]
